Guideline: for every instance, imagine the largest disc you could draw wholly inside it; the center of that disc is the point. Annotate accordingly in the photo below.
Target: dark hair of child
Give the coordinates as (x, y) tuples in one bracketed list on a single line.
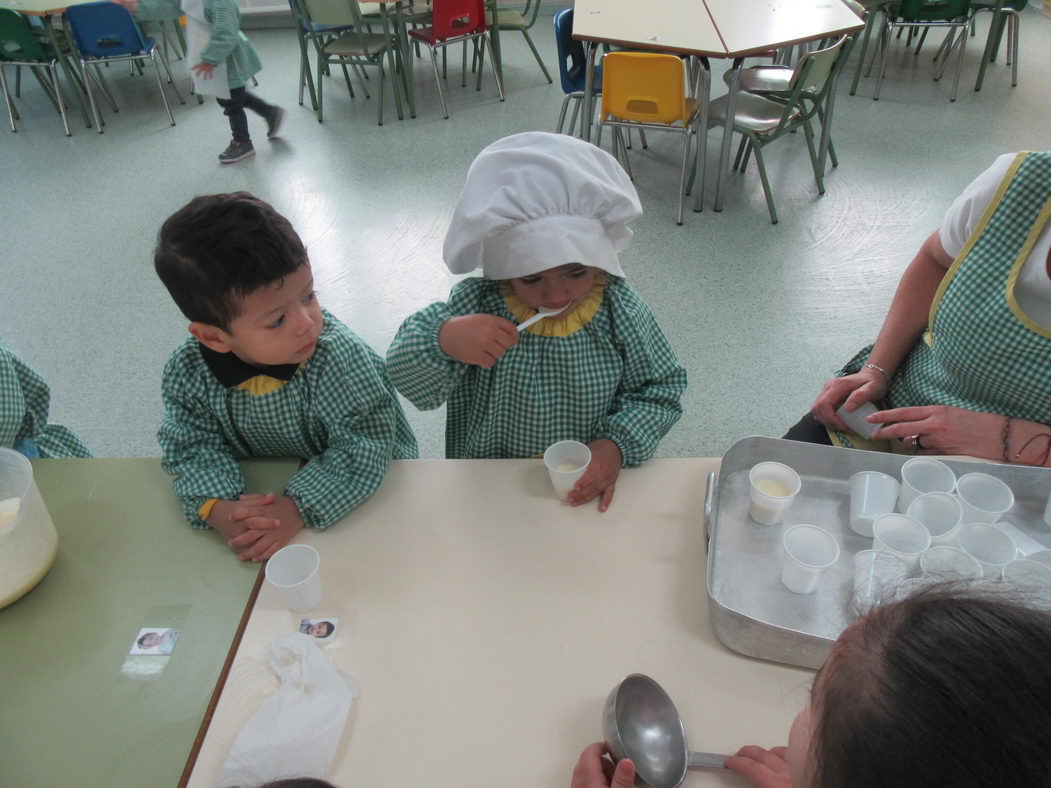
[(218, 248), (942, 689), (329, 627)]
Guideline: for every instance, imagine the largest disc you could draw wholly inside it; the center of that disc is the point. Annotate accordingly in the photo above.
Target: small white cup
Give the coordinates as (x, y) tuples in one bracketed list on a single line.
[(923, 475), (1026, 544), (984, 498), (858, 419), (295, 570), (1026, 573), (902, 536), (773, 488), (876, 576), (992, 547), (941, 513), (945, 563), (1041, 556), (566, 462), (872, 494), (808, 551)]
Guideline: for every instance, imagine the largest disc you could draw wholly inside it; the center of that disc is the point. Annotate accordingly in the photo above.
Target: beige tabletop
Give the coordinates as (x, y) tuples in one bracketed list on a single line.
[(485, 623), (41, 7), (77, 709)]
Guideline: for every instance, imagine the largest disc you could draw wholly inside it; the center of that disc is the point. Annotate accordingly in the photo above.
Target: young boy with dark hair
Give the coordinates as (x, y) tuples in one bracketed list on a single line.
[(266, 373)]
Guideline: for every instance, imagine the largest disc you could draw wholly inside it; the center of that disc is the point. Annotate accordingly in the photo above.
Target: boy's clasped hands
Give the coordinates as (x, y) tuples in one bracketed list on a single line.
[(256, 526), (481, 340)]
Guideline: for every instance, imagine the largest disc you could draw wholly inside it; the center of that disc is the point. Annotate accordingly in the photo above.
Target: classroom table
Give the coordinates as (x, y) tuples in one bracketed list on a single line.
[(705, 29), (78, 710), (485, 623)]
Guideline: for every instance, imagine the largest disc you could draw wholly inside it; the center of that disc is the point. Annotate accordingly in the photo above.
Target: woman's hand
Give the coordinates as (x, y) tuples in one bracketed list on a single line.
[(761, 767), (867, 385), (594, 771), (478, 339), (944, 430)]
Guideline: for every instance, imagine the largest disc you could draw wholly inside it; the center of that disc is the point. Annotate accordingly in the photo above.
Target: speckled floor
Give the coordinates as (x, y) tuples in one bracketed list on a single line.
[(759, 314)]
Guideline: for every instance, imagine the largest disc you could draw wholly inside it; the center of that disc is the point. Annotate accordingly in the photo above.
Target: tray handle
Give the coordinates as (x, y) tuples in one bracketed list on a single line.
[(709, 495)]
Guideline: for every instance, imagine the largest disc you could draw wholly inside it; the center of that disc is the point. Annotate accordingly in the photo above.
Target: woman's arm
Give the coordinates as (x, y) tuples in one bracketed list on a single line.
[(905, 322)]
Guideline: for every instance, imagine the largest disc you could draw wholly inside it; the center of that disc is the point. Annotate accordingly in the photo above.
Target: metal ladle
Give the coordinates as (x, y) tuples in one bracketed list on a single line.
[(640, 722)]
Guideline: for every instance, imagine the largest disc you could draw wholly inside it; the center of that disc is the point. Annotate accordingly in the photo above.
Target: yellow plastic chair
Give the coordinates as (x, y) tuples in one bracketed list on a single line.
[(647, 91)]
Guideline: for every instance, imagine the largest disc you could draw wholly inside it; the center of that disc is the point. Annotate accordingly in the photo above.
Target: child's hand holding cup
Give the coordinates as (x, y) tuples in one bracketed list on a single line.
[(566, 462)]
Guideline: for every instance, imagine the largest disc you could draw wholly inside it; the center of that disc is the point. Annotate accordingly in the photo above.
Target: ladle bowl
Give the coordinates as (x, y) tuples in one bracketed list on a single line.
[(640, 722)]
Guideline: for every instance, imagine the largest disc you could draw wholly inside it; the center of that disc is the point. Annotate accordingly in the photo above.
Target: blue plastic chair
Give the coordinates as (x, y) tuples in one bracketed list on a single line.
[(106, 33), (572, 65)]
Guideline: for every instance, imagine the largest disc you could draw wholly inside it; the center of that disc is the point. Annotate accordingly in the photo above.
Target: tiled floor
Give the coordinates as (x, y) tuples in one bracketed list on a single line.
[(759, 314)]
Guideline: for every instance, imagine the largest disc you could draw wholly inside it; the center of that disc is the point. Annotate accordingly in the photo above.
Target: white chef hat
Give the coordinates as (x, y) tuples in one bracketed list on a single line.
[(538, 200)]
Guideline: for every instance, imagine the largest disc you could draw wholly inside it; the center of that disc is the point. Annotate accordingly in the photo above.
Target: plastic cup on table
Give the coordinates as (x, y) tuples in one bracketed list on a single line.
[(901, 535), (923, 475), (857, 420), (808, 551), (566, 462), (992, 547), (984, 498), (942, 563), (296, 571), (876, 576), (872, 494), (772, 488), (942, 513)]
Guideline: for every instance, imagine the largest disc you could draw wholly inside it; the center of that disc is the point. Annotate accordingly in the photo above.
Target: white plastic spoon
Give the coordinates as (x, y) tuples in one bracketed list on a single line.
[(541, 313)]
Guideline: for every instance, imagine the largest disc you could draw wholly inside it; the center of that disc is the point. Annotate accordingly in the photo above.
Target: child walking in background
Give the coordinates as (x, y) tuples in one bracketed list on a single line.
[(24, 403), (544, 216), (266, 372), (224, 62)]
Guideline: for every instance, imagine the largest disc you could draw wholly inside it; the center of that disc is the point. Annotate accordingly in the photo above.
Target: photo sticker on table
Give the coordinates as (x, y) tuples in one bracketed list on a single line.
[(323, 629), (155, 641)]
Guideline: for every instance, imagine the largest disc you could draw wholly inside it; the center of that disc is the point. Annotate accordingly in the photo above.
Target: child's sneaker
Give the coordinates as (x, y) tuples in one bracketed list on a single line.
[(236, 151), (274, 118)]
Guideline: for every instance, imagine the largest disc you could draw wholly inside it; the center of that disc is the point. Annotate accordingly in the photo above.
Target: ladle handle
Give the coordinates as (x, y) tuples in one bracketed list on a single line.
[(706, 760)]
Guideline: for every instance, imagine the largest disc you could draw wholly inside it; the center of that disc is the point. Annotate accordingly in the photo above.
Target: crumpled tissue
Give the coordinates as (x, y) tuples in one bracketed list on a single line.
[(296, 730)]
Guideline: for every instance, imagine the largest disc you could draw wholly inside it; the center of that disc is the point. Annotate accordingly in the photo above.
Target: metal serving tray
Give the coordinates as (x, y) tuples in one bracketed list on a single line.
[(751, 611)]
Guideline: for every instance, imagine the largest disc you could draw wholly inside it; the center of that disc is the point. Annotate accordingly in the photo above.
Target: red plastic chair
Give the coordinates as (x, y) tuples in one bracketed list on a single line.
[(454, 22)]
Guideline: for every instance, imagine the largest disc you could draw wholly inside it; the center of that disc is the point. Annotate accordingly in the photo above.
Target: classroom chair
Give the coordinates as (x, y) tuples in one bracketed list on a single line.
[(20, 47), (1012, 16), (455, 22), (521, 20), (644, 91), (572, 62), (106, 33)]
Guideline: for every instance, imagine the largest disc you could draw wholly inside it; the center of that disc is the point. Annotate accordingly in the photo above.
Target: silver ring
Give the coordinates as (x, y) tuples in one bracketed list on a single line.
[(916, 442)]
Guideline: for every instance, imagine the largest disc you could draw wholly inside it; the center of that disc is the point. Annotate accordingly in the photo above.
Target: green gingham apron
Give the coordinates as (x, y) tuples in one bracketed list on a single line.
[(616, 377), (980, 351)]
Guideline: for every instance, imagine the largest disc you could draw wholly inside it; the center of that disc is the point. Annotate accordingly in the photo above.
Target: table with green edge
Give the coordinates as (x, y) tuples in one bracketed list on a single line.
[(78, 710)]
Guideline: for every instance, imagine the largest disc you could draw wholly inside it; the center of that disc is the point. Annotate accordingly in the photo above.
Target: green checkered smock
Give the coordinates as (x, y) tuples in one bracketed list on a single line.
[(339, 412), (981, 352), (24, 403), (229, 43), (616, 377)]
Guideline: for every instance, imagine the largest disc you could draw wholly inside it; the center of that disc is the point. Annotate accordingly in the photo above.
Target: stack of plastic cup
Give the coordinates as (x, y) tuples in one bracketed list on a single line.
[(923, 475), (901, 535)]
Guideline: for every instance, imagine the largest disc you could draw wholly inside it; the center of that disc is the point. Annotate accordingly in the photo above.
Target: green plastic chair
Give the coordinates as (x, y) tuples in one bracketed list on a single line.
[(761, 120), (356, 47), (522, 21), (914, 15), (1011, 14), (19, 47)]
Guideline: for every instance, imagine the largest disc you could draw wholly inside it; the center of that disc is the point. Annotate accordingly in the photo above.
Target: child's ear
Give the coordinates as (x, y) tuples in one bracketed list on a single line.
[(212, 337)]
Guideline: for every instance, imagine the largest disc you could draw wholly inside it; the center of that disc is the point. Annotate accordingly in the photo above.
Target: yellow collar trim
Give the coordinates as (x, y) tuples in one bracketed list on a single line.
[(260, 385), (563, 325)]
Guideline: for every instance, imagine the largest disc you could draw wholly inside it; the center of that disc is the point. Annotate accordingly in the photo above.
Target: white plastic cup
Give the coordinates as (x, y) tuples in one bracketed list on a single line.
[(945, 563), (27, 534), (566, 462), (942, 513), (872, 494), (901, 535), (808, 550), (1026, 573), (858, 420), (923, 475), (296, 570), (1041, 556), (773, 488), (992, 547), (1047, 513), (984, 498), (876, 576), (1026, 544)]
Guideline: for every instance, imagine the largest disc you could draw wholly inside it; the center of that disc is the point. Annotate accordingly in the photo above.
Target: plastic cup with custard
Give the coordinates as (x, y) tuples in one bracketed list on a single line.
[(773, 487)]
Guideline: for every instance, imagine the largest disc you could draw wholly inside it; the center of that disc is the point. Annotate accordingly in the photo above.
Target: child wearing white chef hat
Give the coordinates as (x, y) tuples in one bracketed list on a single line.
[(544, 216)]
